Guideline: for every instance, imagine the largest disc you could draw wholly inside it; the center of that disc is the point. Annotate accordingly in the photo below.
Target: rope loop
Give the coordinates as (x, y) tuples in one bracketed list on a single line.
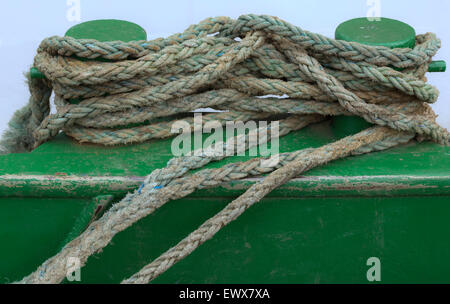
[(223, 64), (244, 58)]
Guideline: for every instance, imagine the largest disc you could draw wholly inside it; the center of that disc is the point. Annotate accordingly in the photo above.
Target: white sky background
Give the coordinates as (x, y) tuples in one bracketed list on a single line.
[(24, 23)]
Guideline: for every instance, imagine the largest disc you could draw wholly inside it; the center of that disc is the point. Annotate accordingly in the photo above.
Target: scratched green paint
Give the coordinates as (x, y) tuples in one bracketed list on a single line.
[(302, 235), (64, 156)]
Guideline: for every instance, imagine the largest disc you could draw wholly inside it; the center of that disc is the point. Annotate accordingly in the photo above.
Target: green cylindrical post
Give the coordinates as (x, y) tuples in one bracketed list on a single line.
[(107, 30), (102, 30), (382, 32)]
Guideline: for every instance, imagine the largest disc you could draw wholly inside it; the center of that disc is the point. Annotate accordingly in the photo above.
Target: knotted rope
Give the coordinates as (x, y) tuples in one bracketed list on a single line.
[(225, 64)]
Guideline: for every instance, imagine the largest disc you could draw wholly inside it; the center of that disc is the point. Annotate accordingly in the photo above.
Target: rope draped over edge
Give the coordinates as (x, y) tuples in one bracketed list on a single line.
[(225, 64)]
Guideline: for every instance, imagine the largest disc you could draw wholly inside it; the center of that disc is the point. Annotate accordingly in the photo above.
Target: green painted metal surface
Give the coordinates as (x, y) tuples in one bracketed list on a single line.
[(36, 74), (345, 125), (318, 228), (298, 240), (90, 213), (437, 66), (383, 32), (107, 30), (31, 229)]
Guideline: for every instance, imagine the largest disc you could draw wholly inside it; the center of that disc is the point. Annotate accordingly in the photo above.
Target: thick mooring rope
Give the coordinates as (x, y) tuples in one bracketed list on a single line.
[(224, 64)]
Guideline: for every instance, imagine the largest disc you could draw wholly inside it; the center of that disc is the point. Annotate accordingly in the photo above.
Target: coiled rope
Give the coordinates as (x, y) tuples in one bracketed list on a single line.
[(224, 64)]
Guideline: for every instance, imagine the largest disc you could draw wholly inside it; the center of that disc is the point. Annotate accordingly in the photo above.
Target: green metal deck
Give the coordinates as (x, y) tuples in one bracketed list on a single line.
[(318, 228)]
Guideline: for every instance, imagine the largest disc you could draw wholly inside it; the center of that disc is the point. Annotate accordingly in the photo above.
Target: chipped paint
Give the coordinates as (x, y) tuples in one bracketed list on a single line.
[(88, 186)]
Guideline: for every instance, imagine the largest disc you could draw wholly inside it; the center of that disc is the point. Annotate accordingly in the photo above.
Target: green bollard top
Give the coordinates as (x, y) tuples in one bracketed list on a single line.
[(102, 30), (385, 32), (107, 30), (437, 66)]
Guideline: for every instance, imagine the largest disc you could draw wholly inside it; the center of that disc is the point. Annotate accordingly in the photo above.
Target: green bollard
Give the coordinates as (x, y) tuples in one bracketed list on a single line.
[(384, 32), (107, 30), (102, 30)]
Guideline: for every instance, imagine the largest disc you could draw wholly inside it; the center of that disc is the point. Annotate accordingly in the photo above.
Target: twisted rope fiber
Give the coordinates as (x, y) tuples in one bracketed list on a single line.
[(264, 62), (225, 64)]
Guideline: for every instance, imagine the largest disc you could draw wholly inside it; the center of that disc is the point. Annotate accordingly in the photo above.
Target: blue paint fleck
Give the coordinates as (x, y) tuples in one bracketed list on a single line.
[(140, 188)]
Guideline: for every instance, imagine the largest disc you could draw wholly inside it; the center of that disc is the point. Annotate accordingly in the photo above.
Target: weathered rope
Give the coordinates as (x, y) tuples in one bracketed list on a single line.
[(304, 160), (273, 58), (224, 64)]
